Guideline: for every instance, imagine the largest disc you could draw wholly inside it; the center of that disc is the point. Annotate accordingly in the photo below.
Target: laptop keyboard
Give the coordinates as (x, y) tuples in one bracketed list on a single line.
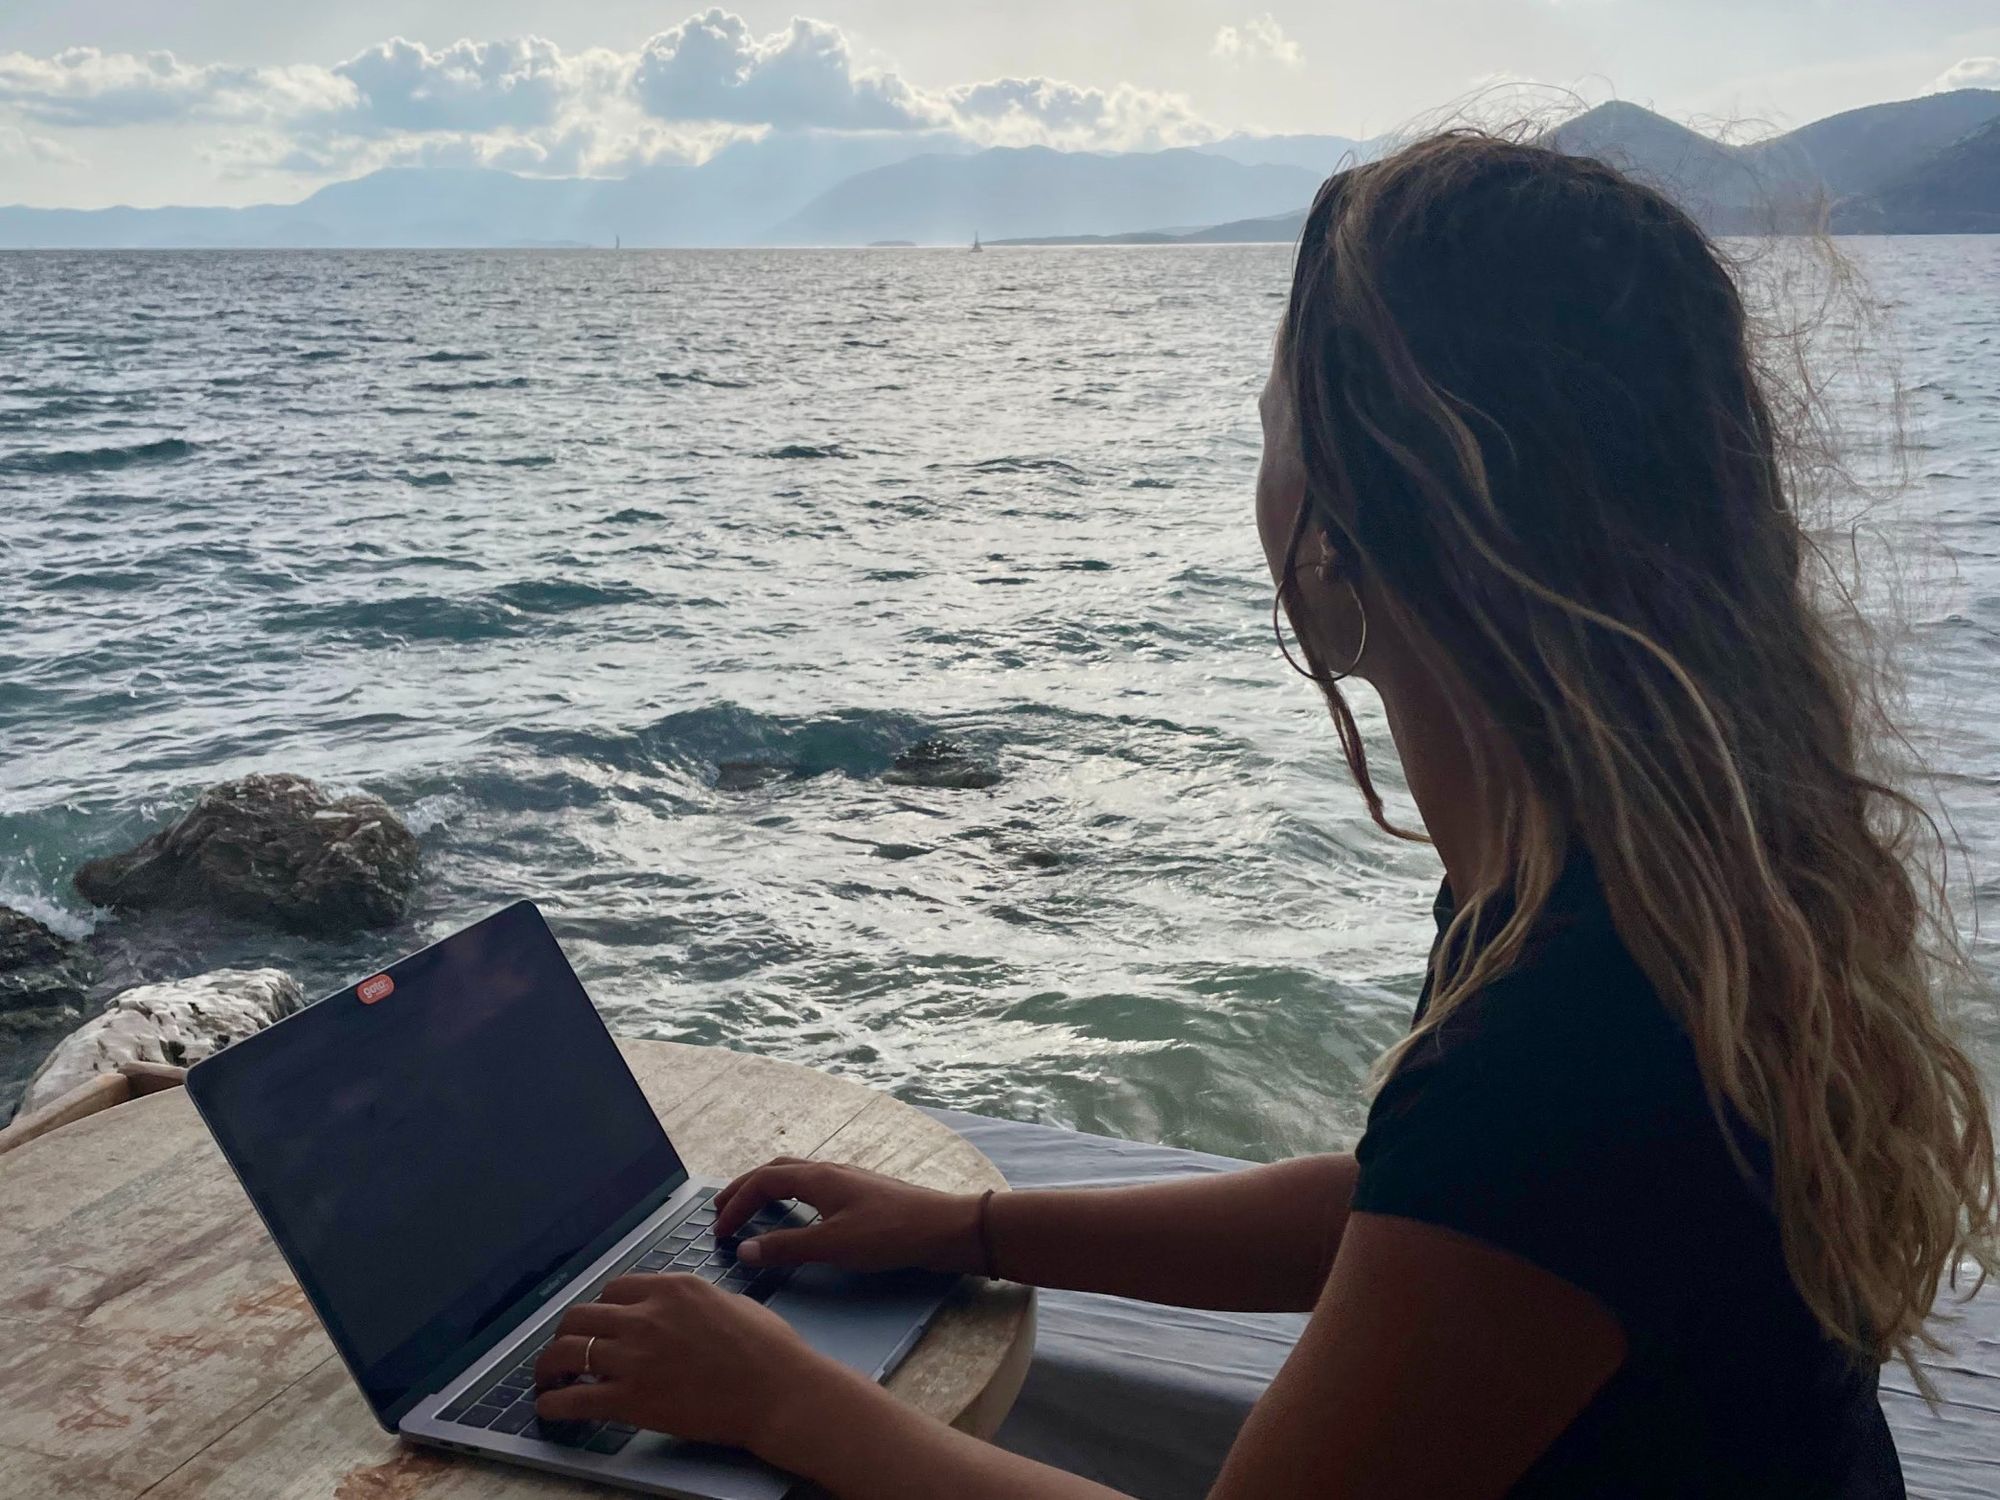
[(505, 1402)]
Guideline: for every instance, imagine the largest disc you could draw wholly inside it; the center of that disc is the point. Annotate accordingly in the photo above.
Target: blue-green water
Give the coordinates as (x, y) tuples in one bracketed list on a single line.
[(529, 544)]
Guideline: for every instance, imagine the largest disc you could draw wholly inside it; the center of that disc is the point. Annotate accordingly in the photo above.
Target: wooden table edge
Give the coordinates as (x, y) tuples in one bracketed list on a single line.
[(983, 1416), (980, 1415)]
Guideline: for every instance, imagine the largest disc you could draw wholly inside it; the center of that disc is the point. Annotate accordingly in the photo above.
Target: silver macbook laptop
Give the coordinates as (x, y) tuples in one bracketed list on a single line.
[(451, 1153)]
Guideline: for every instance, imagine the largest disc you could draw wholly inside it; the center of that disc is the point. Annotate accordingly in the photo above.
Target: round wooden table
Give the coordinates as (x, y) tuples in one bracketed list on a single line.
[(153, 1342)]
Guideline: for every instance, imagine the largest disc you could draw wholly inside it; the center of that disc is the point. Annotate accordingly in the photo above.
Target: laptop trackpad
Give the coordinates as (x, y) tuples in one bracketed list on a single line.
[(868, 1322)]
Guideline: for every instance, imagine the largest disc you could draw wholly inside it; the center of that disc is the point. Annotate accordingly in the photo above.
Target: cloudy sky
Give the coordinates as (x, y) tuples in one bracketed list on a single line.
[(235, 101)]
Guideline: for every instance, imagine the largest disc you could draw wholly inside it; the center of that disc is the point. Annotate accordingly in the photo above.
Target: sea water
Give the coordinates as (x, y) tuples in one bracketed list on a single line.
[(534, 544)]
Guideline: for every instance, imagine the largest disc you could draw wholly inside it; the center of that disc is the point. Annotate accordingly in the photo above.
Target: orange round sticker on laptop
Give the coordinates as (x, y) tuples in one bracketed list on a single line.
[(378, 988)]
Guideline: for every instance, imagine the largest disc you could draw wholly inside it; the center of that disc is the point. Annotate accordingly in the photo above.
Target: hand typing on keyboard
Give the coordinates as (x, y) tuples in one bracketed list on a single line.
[(677, 1353), (868, 1222), (692, 1245), (504, 1400)]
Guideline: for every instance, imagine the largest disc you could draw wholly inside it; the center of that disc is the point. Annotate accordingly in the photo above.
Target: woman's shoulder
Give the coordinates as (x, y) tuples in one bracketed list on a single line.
[(1557, 1112), (1572, 1043), (1575, 1010)]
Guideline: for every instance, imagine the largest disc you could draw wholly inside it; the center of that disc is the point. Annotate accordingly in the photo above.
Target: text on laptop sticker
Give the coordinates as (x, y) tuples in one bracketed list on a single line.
[(378, 988)]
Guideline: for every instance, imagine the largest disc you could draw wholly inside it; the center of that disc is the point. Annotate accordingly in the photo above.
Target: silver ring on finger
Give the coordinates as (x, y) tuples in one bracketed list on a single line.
[(586, 1354)]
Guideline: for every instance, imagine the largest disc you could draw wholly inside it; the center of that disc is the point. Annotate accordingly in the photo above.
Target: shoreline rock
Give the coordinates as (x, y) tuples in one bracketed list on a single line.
[(45, 978), (178, 1023), (271, 848)]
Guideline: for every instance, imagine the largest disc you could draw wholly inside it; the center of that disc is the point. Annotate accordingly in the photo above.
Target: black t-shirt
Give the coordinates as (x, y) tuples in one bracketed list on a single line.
[(1559, 1114)]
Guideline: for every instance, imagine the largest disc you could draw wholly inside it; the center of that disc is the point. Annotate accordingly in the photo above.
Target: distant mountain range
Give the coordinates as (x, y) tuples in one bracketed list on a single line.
[(1033, 190), (783, 190), (1265, 229), (1852, 170), (1862, 150), (734, 198), (1929, 165), (1956, 191), (1920, 166), (1319, 154)]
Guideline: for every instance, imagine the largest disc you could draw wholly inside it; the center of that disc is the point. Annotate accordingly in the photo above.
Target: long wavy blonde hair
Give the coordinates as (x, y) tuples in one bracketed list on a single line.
[(1533, 416)]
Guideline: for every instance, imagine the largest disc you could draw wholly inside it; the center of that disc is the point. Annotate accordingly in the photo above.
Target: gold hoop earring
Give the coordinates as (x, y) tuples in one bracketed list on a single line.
[(1324, 679)]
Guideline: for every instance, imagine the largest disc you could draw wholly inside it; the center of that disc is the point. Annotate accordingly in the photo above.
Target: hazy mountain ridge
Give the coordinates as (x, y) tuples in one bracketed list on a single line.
[(1037, 191), (781, 190), (733, 198), (1321, 154), (1918, 166), (1860, 150), (1265, 229), (1790, 182), (1722, 186), (1956, 191), (1915, 166)]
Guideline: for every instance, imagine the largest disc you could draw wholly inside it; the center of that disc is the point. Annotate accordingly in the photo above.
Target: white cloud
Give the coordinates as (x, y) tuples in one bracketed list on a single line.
[(83, 86), (527, 105), (587, 148), (712, 67), (1970, 73), (1047, 111), (520, 83), (1260, 39), (521, 104)]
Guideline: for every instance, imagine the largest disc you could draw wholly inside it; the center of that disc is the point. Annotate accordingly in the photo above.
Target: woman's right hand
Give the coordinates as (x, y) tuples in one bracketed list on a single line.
[(867, 1222)]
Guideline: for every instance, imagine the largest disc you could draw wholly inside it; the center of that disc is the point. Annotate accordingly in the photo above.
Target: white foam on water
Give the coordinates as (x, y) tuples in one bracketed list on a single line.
[(60, 920), (434, 811)]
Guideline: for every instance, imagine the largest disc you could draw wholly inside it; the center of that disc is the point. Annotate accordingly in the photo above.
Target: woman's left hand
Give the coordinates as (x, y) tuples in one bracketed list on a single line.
[(674, 1354)]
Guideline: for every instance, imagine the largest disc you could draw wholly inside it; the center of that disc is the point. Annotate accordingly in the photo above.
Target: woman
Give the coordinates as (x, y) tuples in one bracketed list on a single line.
[(1678, 1147)]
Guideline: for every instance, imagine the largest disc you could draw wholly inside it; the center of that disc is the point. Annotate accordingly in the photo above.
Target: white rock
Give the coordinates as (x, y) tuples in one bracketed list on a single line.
[(179, 1023)]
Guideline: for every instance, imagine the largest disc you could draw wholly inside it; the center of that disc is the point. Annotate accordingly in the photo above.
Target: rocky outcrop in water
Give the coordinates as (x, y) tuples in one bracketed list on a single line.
[(940, 763), (750, 775), (178, 1023), (275, 849), (932, 763), (44, 977)]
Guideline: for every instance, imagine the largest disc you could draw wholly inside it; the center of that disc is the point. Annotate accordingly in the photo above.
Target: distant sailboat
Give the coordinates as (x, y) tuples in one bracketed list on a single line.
[(976, 246), (617, 242)]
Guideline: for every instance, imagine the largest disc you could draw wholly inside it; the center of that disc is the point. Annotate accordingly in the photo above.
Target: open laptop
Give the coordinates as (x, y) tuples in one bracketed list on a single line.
[(452, 1152)]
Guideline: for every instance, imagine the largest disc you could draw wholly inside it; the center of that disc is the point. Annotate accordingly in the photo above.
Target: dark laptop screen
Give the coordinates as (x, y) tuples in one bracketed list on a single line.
[(429, 1156)]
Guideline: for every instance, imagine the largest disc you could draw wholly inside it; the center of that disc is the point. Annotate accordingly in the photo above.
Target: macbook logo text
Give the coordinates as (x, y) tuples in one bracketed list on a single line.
[(378, 988)]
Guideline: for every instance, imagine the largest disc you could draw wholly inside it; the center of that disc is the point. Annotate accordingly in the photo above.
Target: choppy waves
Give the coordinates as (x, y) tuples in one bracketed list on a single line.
[(629, 578), (99, 460)]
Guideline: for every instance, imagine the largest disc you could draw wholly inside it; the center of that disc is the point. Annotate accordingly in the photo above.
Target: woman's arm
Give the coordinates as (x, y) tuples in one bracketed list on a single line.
[(1261, 1239), (1434, 1365), (857, 1442)]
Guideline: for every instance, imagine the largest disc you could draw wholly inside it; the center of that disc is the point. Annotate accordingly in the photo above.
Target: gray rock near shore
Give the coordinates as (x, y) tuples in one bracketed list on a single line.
[(178, 1023), (44, 977), (940, 763), (277, 849)]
